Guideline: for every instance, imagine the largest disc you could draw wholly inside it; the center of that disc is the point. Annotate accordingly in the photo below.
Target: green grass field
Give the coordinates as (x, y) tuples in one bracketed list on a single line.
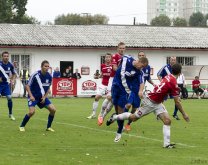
[(78, 140)]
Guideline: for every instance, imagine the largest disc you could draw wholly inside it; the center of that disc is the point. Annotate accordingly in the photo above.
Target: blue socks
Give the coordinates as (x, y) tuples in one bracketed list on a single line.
[(175, 111), (10, 106), (50, 120), (25, 120), (120, 126)]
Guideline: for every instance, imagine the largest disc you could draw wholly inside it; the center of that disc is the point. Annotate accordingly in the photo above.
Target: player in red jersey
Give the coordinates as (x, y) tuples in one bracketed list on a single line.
[(107, 103), (152, 102), (106, 69)]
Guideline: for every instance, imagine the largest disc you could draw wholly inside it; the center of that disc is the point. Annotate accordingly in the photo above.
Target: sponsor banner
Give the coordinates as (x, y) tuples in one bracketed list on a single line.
[(64, 86), (87, 87)]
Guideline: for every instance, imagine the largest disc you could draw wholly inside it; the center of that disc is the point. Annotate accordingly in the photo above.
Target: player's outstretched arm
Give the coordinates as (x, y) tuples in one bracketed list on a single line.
[(179, 106)]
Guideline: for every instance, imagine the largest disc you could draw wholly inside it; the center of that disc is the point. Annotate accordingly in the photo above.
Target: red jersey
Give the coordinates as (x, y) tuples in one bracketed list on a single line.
[(168, 86), (106, 71), (195, 84), (116, 58)]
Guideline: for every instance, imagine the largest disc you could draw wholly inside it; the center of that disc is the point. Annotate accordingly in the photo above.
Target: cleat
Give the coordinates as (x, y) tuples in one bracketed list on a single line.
[(170, 146), (176, 117), (117, 138), (22, 129), (91, 117), (12, 117), (100, 120), (50, 129), (110, 121), (128, 127)]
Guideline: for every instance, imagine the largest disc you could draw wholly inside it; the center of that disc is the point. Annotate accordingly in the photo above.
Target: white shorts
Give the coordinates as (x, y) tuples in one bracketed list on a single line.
[(147, 106), (102, 90), (110, 82)]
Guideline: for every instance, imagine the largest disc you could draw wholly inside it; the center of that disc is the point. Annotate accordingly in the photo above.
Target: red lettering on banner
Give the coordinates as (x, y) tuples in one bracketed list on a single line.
[(89, 85)]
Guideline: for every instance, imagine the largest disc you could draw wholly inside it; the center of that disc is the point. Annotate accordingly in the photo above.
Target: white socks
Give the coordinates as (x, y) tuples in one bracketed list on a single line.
[(94, 107), (123, 116), (104, 106), (166, 135)]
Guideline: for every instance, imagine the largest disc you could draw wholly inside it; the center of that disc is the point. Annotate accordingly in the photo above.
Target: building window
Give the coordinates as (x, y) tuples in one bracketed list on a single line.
[(102, 59), (184, 61), (23, 61)]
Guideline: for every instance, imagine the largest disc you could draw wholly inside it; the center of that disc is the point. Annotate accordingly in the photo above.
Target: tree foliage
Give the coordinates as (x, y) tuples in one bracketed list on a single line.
[(180, 22), (197, 19), (78, 19), (13, 11), (161, 20)]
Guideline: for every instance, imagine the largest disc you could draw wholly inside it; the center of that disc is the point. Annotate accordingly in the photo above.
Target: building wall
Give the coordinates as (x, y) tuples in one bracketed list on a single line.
[(91, 58)]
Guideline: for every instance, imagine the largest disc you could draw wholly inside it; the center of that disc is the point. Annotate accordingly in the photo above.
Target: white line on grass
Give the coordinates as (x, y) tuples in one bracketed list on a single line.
[(107, 131)]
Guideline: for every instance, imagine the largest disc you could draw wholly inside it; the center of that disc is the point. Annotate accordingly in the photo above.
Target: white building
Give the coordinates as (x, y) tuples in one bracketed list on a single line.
[(85, 45), (175, 8)]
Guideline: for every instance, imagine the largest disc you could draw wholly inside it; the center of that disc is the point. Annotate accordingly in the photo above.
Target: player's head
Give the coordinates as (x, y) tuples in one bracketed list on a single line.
[(108, 57), (5, 57), (172, 60), (44, 66), (176, 69), (196, 77), (141, 54), (141, 63), (121, 48)]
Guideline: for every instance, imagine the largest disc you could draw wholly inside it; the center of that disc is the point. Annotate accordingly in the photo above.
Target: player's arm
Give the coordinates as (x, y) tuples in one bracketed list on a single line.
[(29, 92), (45, 96), (179, 106), (141, 89)]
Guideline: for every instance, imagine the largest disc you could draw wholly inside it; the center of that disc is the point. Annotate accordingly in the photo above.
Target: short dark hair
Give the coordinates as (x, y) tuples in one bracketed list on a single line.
[(4, 53), (176, 69), (44, 62)]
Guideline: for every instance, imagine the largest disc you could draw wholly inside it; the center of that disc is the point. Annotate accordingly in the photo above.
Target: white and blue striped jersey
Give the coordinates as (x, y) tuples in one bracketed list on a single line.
[(127, 77), (39, 84), (146, 71), (5, 70), (164, 71)]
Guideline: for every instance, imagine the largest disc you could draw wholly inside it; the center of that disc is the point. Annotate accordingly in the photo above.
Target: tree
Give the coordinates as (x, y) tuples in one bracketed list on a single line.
[(206, 19), (13, 11), (6, 11), (197, 19), (77, 19), (161, 20), (180, 22)]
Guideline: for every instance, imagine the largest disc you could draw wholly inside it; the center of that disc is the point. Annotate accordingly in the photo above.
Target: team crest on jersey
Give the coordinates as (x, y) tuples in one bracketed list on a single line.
[(47, 80), (8, 68), (146, 70)]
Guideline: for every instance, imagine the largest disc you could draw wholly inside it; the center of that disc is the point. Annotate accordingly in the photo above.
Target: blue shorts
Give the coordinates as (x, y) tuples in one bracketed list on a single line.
[(37, 102), (134, 100), (119, 97), (5, 89)]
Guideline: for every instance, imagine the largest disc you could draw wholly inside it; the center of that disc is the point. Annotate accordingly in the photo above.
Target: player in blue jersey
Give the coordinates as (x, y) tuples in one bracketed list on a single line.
[(38, 89), (146, 77), (167, 70), (5, 69), (125, 87), (146, 70)]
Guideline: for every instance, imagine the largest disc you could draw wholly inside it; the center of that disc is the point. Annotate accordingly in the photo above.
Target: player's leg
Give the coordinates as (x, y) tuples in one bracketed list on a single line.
[(162, 113), (52, 110), (7, 93), (28, 116)]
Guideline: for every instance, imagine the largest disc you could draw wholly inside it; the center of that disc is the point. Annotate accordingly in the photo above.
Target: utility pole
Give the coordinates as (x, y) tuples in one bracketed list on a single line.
[(134, 23), (87, 17)]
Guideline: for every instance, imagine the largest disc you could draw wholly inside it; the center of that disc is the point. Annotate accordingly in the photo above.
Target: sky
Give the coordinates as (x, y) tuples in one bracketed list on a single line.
[(118, 11)]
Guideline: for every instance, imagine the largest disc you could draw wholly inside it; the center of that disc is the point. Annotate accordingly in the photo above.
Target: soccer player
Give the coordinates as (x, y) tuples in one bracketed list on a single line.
[(106, 69), (147, 77), (146, 70), (38, 89), (5, 69), (125, 87), (116, 58), (166, 70), (152, 102)]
